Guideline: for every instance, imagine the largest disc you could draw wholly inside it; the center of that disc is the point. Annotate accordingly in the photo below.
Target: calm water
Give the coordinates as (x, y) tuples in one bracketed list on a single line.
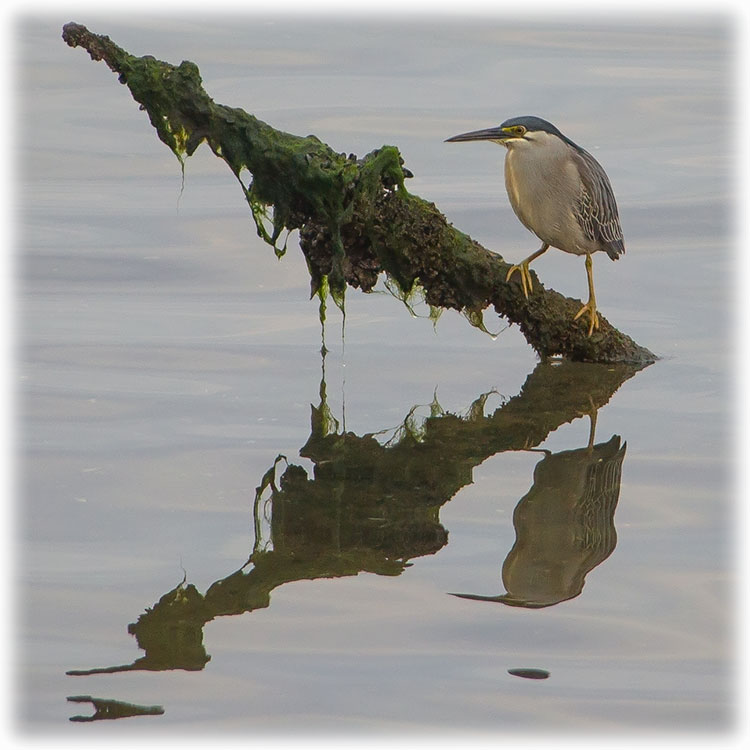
[(166, 359)]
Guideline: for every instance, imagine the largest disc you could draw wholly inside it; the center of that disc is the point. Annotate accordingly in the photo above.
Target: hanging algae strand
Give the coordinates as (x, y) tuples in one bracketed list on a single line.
[(411, 298), (301, 177)]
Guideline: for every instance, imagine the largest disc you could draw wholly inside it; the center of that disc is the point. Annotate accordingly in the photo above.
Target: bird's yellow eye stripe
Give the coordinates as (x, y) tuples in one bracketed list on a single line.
[(515, 129)]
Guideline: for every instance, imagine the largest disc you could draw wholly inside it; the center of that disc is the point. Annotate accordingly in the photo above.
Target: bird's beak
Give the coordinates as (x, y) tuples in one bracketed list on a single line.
[(510, 599), (488, 134), (478, 598)]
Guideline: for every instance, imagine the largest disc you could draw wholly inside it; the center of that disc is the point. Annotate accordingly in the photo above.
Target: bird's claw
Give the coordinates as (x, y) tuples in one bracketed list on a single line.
[(526, 283), (590, 307)]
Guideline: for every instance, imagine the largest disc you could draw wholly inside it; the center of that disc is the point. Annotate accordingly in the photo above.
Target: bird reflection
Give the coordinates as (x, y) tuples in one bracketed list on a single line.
[(564, 526)]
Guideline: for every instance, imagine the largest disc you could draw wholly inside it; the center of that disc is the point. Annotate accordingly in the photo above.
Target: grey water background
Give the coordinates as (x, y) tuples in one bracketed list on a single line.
[(166, 357)]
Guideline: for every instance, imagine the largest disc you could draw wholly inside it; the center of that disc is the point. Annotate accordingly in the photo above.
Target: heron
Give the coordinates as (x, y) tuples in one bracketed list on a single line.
[(560, 192)]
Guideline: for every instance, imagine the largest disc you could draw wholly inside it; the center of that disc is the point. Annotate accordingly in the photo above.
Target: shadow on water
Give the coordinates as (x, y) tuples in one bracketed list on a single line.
[(373, 505)]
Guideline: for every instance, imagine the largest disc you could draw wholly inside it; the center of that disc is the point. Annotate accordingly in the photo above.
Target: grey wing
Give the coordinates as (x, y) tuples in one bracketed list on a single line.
[(597, 209)]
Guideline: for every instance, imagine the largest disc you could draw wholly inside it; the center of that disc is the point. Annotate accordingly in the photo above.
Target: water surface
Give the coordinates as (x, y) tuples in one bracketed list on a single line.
[(166, 359)]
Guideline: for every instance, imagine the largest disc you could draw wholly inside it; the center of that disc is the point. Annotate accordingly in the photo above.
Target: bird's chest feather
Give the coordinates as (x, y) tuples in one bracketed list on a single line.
[(541, 190)]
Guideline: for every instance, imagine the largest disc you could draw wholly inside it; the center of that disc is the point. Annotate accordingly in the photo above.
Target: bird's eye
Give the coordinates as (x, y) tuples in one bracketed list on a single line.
[(519, 130)]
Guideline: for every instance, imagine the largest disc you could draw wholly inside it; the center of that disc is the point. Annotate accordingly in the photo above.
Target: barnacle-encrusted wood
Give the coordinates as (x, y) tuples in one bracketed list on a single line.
[(356, 218)]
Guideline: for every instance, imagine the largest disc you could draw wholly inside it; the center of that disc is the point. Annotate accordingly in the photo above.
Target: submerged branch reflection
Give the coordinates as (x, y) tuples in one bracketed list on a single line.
[(374, 507)]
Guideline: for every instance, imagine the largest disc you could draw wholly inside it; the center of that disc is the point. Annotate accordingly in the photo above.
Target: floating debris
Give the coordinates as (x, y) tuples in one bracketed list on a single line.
[(110, 709), (530, 674)]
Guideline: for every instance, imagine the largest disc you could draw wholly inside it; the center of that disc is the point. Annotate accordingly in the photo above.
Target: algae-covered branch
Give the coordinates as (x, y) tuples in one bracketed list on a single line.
[(355, 218)]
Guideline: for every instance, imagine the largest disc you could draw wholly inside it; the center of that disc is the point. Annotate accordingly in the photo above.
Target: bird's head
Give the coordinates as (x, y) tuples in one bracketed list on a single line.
[(518, 131)]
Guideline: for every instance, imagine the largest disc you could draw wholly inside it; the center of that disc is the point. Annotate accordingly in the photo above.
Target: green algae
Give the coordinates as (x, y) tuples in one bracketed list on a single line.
[(294, 179)]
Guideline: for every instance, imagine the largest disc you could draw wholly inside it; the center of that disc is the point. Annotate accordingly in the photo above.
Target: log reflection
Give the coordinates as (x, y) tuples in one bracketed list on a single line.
[(374, 506)]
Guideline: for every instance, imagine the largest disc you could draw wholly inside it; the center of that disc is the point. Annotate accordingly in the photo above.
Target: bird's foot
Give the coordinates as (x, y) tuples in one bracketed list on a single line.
[(590, 308), (523, 269)]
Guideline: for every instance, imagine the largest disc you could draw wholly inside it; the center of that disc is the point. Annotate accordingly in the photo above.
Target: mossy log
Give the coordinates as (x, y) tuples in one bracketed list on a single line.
[(356, 218)]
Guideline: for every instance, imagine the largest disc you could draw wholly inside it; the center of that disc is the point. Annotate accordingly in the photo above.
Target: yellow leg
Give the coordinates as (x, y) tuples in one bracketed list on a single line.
[(590, 306), (592, 424), (523, 269)]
